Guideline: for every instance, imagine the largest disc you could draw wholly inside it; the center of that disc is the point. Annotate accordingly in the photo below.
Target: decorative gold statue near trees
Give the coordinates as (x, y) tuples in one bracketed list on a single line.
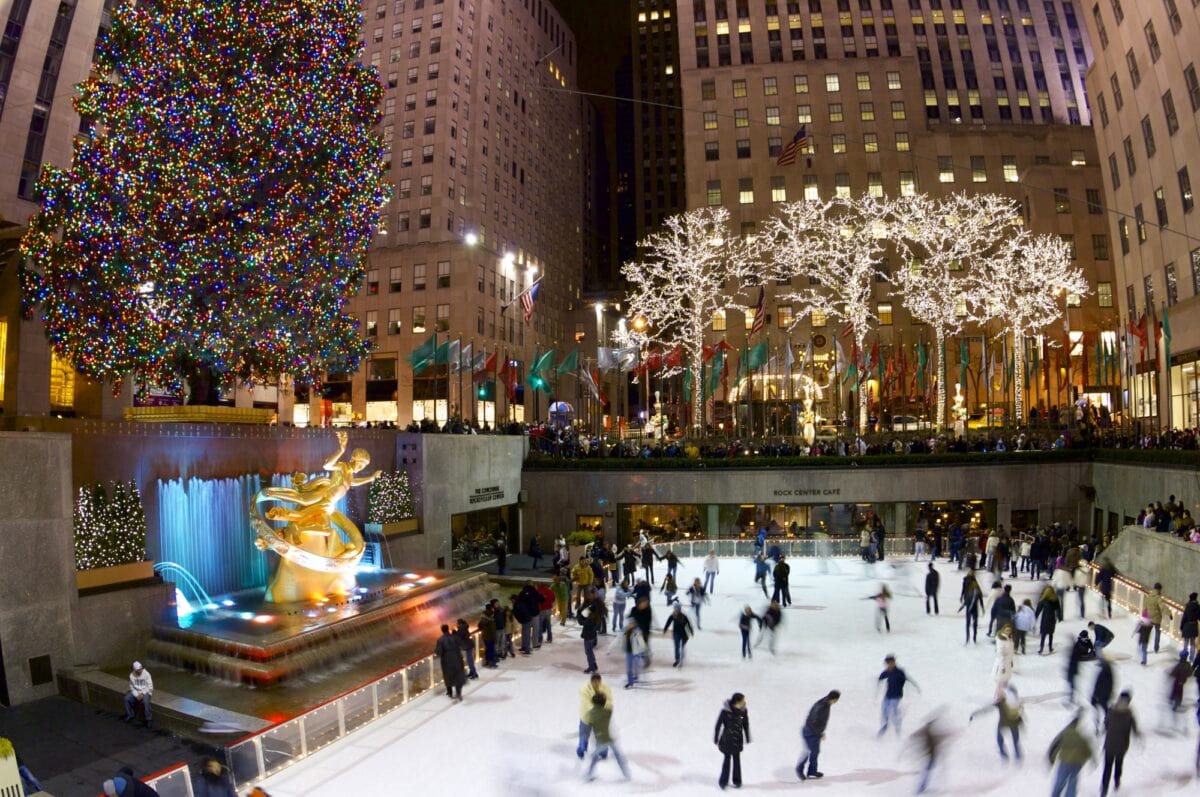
[(320, 547)]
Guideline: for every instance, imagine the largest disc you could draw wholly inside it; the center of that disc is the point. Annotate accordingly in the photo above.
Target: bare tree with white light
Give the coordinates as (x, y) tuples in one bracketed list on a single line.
[(838, 246), (944, 243), (692, 268), (1026, 283)]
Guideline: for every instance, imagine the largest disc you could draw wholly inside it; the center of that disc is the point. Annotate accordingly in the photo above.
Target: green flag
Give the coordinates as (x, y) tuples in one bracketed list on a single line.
[(715, 366), (442, 355), (570, 363), (1166, 336), (963, 357), (421, 357), (743, 355), (1100, 364), (541, 364), (757, 357), (687, 386), (852, 376), (922, 358)]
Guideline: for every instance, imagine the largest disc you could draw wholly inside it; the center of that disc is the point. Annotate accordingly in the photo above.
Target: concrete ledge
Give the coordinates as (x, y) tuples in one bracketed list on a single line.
[(1147, 557), (180, 715)]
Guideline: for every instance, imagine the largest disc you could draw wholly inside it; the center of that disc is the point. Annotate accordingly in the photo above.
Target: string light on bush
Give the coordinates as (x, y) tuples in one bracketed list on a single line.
[(390, 498)]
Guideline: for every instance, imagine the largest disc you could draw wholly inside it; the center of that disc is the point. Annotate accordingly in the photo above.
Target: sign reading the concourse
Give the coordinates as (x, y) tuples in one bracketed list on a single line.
[(486, 495)]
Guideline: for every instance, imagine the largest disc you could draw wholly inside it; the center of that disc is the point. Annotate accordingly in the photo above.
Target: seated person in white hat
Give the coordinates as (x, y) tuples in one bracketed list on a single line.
[(141, 687)]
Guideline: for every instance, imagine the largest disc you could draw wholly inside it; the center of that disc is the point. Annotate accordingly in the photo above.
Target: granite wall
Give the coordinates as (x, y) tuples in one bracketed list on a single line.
[(37, 562), (1147, 557)]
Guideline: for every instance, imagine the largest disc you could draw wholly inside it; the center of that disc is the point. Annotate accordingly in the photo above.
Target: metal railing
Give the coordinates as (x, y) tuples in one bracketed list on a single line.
[(794, 548), (1131, 597), (174, 781), (277, 747)]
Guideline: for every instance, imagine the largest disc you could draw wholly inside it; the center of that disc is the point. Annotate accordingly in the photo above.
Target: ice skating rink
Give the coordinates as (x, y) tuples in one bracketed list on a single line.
[(515, 732)]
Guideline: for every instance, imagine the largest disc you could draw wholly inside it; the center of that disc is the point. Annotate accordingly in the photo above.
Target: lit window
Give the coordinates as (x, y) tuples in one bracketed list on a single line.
[(819, 319), (801, 84), (863, 81), (1078, 158), (885, 314), (945, 169), (898, 110), (835, 112), (746, 190), (741, 117), (893, 81), (773, 117), (839, 143), (739, 88), (714, 192), (811, 191), (778, 190), (908, 184), (1062, 200), (841, 185), (832, 83), (978, 169), (870, 142), (1104, 294), (418, 320), (718, 322), (902, 142), (1010, 168), (770, 87), (866, 111), (785, 315), (875, 184), (804, 114), (710, 120)]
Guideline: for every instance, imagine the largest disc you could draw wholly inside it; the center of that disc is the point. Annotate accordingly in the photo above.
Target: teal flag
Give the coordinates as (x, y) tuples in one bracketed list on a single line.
[(421, 357), (570, 363), (963, 357), (687, 386), (442, 355), (543, 363), (715, 367), (757, 357)]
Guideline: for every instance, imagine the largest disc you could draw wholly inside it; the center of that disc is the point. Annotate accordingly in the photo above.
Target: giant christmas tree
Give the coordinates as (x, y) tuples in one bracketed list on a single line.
[(216, 221)]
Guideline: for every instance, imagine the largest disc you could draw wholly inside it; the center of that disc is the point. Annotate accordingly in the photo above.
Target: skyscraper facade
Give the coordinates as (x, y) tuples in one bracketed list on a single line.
[(1145, 94), (898, 97)]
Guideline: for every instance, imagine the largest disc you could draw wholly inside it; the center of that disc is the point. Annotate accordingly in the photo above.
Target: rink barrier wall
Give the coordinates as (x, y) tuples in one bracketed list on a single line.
[(1131, 597), (266, 752), (832, 547), (174, 781)]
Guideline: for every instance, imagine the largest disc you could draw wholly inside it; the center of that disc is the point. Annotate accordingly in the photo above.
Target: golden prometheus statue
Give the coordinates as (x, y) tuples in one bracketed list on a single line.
[(319, 548)]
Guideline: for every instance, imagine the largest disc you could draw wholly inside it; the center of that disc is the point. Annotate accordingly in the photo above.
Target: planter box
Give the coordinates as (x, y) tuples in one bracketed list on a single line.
[(402, 528), (119, 574), (192, 413)]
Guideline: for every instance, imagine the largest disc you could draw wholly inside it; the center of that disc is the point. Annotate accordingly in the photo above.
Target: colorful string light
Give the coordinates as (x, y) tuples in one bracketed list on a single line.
[(219, 216)]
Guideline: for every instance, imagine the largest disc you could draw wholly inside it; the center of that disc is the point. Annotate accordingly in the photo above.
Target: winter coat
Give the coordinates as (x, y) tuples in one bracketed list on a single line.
[(1025, 618), (1080, 651), (932, 582), (585, 698), (1071, 747), (746, 620), (1080, 578), (1118, 725), (818, 718), (642, 617), (782, 571), (772, 618), (1103, 688), (697, 595), (1102, 635), (1189, 622), (1104, 580), (1049, 609), (1003, 666), (462, 632), (588, 627), (1004, 607), (561, 591), (630, 560), (581, 575), (450, 654), (206, 784), (712, 564), (599, 718), (647, 556), (682, 625), (487, 628), (972, 599), (1157, 607), (733, 730), (761, 568), (620, 596), (545, 598)]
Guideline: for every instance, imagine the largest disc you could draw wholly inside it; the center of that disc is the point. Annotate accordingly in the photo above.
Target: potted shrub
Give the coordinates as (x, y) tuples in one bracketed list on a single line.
[(577, 542)]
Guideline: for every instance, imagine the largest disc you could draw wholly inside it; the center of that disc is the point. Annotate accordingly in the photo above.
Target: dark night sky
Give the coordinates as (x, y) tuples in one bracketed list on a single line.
[(602, 33)]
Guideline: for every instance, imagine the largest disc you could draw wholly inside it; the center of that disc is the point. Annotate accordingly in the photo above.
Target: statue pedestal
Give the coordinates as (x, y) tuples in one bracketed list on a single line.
[(293, 583)]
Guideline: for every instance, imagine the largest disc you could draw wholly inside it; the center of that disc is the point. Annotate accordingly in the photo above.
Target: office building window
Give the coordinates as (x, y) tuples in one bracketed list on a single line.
[(902, 142), (978, 169), (875, 184), (898, 110), (870, 142), (908, 184), (1099, 246), (866, 111), (708, 90), (835, 112), (801, 84), (741, 117), (841, 185), (1062, 200), (770, 87), (804, 114), (395, 324), (838, 142), (739, 88), (1193, 86), (811, 190), (1148, 136), (885, 314), (443, 274), (1171, 283), (718, 321), (712, 151), (418, 320), (1152, 42), (443, 318), (893, 81), (1114, 172), (819, 319), (1104, 294), (1130, 161), (1139, 217), (710, 120), (945, 169), (778, 189), (371, 327), (1185, 190), (1160, 206), (832, 83), (745, 190), (395, 279), (1168, 103), (1123, 234), (714, 192), (785, 315), (1095, 204), (743, 148)]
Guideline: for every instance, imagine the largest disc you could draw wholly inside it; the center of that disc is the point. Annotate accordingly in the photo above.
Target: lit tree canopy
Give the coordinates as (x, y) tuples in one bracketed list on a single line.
[(693, 268), (217, 221), (1027, 282), (945, 242), (838, 245)]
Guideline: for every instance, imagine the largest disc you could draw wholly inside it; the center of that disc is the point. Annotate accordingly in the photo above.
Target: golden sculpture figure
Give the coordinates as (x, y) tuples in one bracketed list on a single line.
[(320, 547)]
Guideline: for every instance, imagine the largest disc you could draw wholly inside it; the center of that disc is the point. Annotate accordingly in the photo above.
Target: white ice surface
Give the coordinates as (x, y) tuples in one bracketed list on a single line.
[(515, 732)]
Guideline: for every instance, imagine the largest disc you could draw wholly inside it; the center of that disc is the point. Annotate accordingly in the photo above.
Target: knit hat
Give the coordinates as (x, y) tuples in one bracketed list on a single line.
[(115, 786)]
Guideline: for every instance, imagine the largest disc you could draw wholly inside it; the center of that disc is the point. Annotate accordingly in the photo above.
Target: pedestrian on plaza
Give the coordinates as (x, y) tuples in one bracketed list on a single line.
[(745, 620), (501, 551), (1142, 632), (895, 679), (669, 588), (932, 582), (594, 686), (761, 570), (141, 690), (682, 632), (1010, 718), (211, 780), (562, 594), (462, 632), (1118, 727), (1081, 651), (772, 618), (511, 628), (581, 581), (883, 599), (1102, 691), (123, 784), (1160, 613), (813, 732), (487, 632), (1023, 624), (525, 610), (620, 598), (712, 566), (1072, 750), (971, 602), (648, 556), (535, 552), (545, 624), (587, 632), (697, 596), (503, 638), (600, 719), (731, 734), (781, 574), (1049, 609), (1189, 626), (450, 654), (1101, 636)]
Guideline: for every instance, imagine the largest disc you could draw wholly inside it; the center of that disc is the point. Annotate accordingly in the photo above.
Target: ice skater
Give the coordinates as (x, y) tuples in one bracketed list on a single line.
[(781, 574), (813, 732), (971, 602), (745, 621), (1011, 717), (895, 679), (932, 583), (1049, 609), (454, 675), (1081, 651), (697, 596), (587, 632), (772, 618), (761, 570), (594, 686), (730, 735), (600, 721), (1160, 613), (1002, 667), (930, 738), (883, 599), (1102, 691), (682, 632), (1023, 624), (1072, 750), (1176, 683), (1189, 626), (1141, 633), (712, 566), (1118, 727), (634, 646), (669, 588), (1101, 636)]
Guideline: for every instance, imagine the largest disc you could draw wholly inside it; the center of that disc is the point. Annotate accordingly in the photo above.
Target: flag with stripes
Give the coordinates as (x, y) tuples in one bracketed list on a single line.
[(528, 298), (787, 156), (760, 312)]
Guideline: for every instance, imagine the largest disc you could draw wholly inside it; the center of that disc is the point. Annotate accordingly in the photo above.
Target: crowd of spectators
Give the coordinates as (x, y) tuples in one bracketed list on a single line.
[(1172, 518)]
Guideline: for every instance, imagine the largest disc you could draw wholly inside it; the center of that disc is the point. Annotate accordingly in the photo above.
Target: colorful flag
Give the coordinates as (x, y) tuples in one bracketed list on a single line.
[(963, 357), (714, 373), (589, 380), (687, 385), (1165, 331), (789, 359), (441, 355), (453, 355), (808, 353), (570, 363), (760, 312), (757, 356), (674, 358), (465, 359), (922, 359), (542, 364), (421, 357), (1138, 328), (787, 156), (484, 364), (529, 297)]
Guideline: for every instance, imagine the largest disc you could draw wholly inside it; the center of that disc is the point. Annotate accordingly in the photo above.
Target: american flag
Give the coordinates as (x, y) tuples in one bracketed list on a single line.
[(787, 155), (760, 312), (528, 298)]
